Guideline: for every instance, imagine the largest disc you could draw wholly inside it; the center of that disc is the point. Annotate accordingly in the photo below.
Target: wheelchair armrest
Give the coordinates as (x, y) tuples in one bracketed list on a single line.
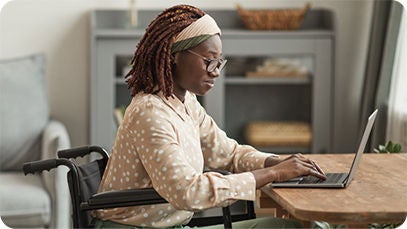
[(123, 198)]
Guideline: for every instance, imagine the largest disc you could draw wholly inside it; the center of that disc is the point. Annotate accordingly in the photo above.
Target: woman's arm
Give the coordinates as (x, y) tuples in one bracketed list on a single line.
[(277, 169)]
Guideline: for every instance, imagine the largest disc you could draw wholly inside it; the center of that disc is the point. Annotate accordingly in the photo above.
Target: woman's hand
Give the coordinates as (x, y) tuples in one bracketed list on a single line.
[(272, 161), (295, 166), (286, 169)]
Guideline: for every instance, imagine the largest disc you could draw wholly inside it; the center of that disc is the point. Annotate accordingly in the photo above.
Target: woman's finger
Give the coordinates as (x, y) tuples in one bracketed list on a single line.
[(311, 162), (313, 169), (317, 174), (318, 168)]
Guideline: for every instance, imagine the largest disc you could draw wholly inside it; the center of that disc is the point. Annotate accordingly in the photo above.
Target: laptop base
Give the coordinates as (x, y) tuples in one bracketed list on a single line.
[(300, 183)]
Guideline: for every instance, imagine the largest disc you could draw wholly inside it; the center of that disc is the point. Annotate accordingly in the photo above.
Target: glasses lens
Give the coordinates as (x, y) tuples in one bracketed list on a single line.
[(222, 64), (213, 64)]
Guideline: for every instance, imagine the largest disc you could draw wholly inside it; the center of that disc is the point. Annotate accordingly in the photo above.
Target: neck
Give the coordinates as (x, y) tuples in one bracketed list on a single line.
[(180, 95)]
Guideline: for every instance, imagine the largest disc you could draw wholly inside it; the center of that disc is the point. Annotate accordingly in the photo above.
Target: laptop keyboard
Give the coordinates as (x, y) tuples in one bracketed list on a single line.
[(331, 178)]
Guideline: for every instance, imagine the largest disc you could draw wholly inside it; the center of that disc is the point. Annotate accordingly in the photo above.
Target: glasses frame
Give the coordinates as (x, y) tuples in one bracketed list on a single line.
[(210, 66)]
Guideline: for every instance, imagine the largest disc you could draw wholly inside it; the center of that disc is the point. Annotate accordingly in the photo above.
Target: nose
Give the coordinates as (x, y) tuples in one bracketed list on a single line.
[(215, 73)]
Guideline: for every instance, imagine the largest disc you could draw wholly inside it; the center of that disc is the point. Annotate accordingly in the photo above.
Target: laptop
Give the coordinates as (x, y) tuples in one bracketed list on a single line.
[(334, 180)]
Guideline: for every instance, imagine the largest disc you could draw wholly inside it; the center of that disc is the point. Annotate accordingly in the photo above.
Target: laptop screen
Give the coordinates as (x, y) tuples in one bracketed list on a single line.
[(362, 146)]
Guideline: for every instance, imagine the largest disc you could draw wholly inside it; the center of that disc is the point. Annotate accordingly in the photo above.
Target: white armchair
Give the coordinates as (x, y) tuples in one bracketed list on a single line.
[(41, 200)]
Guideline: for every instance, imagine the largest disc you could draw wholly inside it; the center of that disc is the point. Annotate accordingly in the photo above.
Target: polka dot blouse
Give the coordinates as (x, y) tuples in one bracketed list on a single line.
[(165, 144)]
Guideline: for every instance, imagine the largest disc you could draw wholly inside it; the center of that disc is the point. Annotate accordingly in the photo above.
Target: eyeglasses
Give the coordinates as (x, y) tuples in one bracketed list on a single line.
[(211, 64)]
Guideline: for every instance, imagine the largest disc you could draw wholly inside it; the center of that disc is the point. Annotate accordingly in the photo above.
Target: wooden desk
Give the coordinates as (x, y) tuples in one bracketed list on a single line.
[(377, 194)]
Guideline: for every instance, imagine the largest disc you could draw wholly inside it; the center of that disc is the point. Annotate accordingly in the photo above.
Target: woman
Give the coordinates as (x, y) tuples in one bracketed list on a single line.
[(167, 138)]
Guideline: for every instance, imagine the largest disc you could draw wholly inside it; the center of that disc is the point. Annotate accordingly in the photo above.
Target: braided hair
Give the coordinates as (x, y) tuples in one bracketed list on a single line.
[(152, 61)]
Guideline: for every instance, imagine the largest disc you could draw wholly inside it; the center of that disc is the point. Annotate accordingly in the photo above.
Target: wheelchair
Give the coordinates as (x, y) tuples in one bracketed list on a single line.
[(84, 179)]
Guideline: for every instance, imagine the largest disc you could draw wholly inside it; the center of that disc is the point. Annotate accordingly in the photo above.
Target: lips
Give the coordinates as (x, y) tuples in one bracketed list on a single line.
[(210, 82)]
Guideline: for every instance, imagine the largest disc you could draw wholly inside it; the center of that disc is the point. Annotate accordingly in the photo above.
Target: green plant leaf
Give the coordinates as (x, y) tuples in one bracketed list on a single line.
[(389, 147), (397, 148)]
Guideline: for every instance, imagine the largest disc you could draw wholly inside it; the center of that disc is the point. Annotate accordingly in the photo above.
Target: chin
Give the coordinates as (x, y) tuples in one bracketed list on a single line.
[(200, 94), (201, 91)]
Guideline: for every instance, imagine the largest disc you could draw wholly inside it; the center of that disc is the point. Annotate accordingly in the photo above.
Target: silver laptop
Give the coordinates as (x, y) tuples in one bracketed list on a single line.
[(334, 180)]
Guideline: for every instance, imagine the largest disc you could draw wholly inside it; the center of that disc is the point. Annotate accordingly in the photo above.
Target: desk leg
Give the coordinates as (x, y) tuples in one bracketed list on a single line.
[(268, 203), (282, 213), (279, 212)]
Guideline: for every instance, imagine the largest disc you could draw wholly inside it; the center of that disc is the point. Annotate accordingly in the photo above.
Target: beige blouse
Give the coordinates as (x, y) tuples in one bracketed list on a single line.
[(165, 144)]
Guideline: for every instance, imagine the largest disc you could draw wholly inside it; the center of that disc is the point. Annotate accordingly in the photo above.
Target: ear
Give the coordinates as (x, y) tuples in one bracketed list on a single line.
[(176, 57)]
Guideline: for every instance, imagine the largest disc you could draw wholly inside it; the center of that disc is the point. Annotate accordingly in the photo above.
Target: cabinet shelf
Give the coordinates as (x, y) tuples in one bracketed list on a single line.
[(266, 81)]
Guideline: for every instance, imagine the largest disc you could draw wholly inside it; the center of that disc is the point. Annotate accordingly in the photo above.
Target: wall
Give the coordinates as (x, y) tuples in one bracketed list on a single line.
[(60, 28)]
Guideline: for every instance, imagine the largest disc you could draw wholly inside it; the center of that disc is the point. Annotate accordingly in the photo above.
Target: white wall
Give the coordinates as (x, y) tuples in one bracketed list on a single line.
[(60, 28)]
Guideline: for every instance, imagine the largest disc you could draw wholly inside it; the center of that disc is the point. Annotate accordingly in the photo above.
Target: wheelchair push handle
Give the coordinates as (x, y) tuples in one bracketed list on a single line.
[(39, 166), (81, 152), (74, 152)]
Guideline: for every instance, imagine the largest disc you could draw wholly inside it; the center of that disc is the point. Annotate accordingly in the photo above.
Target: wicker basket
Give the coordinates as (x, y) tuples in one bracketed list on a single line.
[(263, 133), (283, 19)]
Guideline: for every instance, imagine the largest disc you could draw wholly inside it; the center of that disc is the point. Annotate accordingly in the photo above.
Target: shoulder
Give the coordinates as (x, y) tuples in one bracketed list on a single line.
[(143, 105), (144, 101), (146, 112)]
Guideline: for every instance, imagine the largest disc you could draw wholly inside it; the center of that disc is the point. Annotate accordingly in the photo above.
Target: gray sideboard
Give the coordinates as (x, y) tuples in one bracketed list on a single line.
[(236, 99)]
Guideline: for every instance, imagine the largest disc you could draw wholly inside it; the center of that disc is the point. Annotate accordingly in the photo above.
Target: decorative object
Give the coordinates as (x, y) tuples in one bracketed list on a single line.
[(279, 67), (266, 133), (279, 19), (133, 13)]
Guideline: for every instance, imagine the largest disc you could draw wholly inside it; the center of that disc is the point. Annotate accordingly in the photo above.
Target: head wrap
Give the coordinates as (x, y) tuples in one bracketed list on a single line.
[(196, 33)]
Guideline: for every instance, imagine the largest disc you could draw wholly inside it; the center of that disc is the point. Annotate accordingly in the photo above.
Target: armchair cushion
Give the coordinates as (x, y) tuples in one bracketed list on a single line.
[(23, 200), (24, 110)]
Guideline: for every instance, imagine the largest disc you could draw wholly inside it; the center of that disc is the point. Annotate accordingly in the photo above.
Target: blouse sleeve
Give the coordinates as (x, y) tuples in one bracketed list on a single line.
[(172, 176)]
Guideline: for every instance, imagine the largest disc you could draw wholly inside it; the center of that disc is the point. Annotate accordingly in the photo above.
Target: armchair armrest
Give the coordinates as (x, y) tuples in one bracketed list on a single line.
[(123, 198), (54, 138)]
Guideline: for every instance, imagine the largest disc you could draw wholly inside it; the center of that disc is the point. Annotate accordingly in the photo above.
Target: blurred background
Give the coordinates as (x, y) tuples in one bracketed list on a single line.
[(61, 29)]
